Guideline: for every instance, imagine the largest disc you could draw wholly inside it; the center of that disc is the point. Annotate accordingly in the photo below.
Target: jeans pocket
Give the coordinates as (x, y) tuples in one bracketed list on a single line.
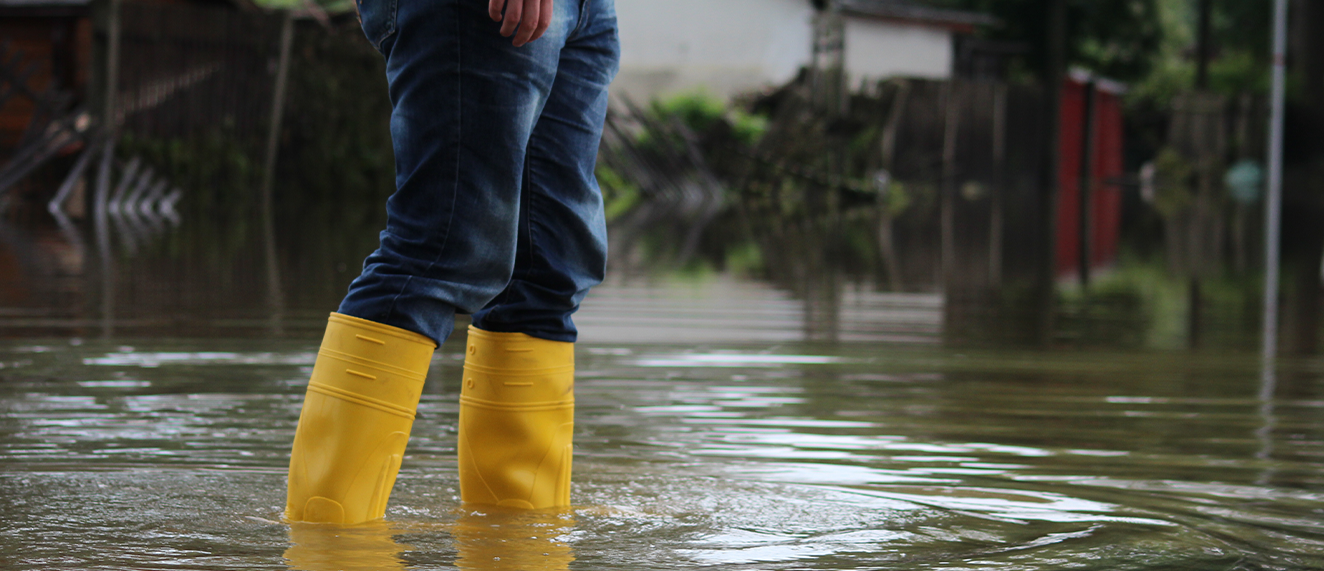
[(378, 20)]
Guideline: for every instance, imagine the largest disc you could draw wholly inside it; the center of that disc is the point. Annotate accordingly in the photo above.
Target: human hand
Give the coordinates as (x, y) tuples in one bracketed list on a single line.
[(530, 17)]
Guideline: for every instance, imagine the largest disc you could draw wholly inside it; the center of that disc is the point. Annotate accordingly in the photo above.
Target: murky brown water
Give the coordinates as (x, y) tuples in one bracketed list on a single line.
[(748, 399), (171, 454)]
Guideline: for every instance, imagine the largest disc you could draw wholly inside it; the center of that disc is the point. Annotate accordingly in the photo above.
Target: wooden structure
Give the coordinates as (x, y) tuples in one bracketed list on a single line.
[(75, 73), (45, 61), (1089, 208)]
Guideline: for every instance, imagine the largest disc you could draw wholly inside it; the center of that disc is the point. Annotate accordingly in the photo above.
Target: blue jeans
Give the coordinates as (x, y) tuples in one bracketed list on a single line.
[(496, 211)]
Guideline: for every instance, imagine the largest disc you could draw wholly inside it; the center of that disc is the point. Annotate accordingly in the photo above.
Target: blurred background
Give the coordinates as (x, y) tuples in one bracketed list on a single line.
[(963, 172), (893, 284)]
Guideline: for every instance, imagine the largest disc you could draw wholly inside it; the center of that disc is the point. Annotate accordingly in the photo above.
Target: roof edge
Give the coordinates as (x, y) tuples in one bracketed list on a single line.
[(909, 12)]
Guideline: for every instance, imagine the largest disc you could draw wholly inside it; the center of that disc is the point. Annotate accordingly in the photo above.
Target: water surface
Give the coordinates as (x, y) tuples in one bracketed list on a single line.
[(751, 397), (171, 453)]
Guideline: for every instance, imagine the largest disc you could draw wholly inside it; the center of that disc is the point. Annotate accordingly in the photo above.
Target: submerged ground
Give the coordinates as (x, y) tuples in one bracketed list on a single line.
[(171, 453), (745, 401)]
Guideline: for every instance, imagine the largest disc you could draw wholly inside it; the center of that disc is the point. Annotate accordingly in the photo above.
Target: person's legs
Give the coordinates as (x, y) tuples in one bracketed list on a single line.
[(517, 400), (562, 245), (465, 104)]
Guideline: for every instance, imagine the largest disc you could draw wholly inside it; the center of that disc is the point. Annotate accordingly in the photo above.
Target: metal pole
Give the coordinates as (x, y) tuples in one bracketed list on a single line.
[(275, 300), (1273, 204), (1273, 215)]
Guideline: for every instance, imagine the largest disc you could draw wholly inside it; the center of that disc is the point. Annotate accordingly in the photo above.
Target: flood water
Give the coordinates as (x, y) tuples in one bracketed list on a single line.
[(796, 416), (160, 453)]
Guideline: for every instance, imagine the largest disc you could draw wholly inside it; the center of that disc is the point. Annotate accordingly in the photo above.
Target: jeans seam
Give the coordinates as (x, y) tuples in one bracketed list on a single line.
[(455, 188), (533, 195), (379, 41), (579, 23), (390, 29)]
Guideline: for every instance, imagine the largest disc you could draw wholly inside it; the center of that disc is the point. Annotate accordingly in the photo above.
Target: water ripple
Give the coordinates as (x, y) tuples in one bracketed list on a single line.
[(759, 458)]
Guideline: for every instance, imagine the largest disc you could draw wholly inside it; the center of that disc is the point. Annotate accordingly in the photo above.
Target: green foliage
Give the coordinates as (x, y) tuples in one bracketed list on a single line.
[(218, 173), (1116, 38), (217, 168), (1239, 34), (749, 128), (1140, 305), (336, 140), (701, 112), (744, 259), (1240, 27), (336, 166), (1150, 44), (896, 198), (1238, 72), (1173, 173), (698, 110), (619, 195)]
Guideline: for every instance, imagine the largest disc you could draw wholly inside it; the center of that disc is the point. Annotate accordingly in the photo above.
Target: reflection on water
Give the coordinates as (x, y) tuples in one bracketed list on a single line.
[(492, 538), (752, 395), (364, 547), (772, 455), (732, 271)]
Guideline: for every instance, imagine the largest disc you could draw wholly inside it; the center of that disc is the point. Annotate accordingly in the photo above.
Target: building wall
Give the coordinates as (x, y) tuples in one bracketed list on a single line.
[(723, 46), (878, 49), (727, 47)]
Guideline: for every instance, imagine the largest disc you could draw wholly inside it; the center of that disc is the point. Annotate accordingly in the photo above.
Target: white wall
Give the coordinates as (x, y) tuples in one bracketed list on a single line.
[(724, 46), (727, 47), (877, 49)]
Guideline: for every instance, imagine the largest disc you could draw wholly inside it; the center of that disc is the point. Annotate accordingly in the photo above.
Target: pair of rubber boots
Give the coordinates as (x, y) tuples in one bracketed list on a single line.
[(490, 539), (516, 421)]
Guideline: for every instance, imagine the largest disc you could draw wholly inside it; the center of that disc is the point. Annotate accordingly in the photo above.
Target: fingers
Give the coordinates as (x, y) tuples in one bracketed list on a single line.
[(526, 20), (514, 11), (544, 19), (529, 23)]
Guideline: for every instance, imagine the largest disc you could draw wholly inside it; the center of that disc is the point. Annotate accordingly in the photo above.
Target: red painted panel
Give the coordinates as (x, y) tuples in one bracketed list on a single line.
[(1106, 199)]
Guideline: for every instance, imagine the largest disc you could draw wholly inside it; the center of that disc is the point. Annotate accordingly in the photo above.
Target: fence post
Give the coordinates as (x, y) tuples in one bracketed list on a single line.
[(109, 86), (107, 65), (999, 181), (275, 299), (1086, 191), (947, 187)]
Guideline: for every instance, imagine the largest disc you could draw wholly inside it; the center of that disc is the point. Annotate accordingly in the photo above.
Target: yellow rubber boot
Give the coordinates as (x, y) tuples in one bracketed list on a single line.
[(517, 416), (355, 421)]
